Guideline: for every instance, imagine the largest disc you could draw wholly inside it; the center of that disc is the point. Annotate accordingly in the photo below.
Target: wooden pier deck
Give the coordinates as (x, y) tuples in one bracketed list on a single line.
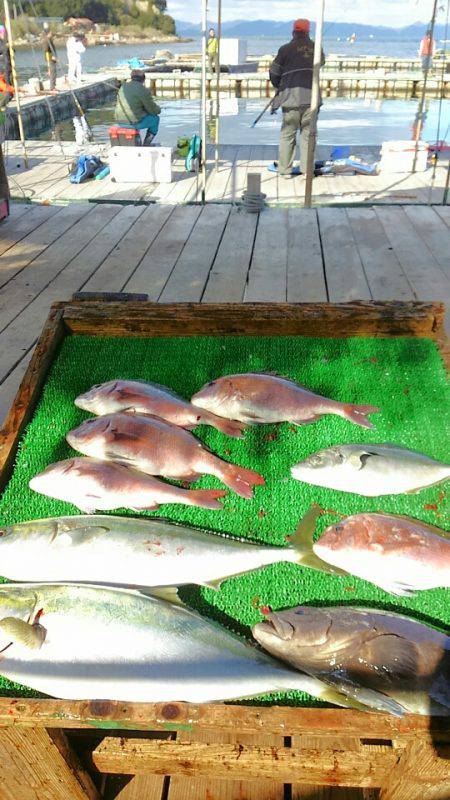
[(216, 253), (47, 180)]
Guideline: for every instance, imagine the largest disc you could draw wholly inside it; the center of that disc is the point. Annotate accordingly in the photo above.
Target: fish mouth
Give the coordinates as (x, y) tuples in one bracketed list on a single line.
[(274, 625)]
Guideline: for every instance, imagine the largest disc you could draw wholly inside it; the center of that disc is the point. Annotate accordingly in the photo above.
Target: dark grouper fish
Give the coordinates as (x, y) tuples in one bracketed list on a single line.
[(398, 554), (94, 485), (90, 642), (258, 397), (139, 397), (385, 661), (157, 447)]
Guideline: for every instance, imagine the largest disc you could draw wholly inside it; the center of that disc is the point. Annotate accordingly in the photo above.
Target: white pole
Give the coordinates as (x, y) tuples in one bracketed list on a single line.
[(315, 99), (204, 36), (219, 38), (15, 81), (424, 91)]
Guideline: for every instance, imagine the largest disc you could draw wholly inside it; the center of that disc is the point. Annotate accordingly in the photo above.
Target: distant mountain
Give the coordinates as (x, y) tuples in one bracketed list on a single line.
[(332, 30)]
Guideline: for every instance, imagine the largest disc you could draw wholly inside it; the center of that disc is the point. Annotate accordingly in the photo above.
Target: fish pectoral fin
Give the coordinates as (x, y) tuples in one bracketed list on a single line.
[(397, 655), (24, 633), (359, 460), (302, 544), (370, 698), (127, 461), (399, 588), (306, 421), (332, 695), (215, 584), (167, 593)]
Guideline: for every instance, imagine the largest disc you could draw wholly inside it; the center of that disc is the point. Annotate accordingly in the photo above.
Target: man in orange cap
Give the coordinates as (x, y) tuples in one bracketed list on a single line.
[(292, 73)]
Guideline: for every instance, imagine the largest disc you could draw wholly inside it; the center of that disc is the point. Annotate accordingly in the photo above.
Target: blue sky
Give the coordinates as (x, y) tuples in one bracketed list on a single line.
[(376, 12)]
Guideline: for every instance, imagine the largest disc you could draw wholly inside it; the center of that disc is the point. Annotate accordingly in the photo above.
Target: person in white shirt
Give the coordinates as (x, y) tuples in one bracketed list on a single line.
[(75, 50)]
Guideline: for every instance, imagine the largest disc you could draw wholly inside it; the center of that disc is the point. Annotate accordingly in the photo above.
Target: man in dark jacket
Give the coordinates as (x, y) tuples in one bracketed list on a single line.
[(292, 74), (136, 108)]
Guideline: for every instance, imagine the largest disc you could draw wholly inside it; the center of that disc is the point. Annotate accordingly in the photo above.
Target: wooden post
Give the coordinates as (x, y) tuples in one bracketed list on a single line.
[(38, 764), (204, 34), (422, 98), (15, 81), (254, 183), (315, 98)]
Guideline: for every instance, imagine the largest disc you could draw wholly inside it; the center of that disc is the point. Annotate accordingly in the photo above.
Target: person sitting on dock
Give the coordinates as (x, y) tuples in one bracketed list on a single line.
[(212, 49), (51, 58), (292, 73), (136, 108), (426, 51)]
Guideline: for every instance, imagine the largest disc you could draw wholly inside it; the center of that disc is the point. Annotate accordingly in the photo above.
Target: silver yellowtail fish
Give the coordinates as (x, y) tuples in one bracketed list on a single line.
[(371, 469), (384, 660), (88, 642), (91, 485), (138, 552), (398, 554), (259, 397), (138, 397)]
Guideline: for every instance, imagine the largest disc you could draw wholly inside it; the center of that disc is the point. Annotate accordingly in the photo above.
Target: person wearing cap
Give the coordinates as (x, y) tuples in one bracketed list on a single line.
[(50, 55), (136, 108), (292, 73)]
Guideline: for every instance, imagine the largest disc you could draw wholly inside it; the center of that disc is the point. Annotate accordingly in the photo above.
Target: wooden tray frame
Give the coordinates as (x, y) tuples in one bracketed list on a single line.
[(408, 758)]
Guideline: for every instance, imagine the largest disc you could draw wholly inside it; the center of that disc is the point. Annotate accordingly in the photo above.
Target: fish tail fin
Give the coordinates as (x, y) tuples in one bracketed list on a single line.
[(302, 544), (228, 426), (358, 414), (205, 498), (241, 480)]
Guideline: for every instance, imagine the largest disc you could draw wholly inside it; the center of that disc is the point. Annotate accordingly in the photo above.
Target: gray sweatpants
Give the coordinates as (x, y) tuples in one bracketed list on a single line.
[(294, 120)]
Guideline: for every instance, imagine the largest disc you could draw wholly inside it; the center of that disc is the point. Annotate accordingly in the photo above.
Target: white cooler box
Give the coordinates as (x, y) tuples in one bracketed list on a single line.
[(141, 164), (398, 156)]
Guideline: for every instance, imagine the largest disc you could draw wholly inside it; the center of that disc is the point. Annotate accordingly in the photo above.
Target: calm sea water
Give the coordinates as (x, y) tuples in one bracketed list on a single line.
[(99, 57), (357, 122)]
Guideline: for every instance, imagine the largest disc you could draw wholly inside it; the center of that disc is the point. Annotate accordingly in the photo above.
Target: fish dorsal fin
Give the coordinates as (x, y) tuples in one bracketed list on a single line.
[(302, 543), (23, 633), (167, 593)]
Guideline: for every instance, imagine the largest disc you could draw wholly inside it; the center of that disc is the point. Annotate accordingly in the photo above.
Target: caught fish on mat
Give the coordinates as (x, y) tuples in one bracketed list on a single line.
[(89, 642), (139, 552), (95, 485), (398, 554), (384, 660), (157, 447), (139, 397), (371, 469), (259, 398)]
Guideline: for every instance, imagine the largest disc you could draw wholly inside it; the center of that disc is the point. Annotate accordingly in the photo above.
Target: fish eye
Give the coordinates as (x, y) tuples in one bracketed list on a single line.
[(3, 532), (315, 461)]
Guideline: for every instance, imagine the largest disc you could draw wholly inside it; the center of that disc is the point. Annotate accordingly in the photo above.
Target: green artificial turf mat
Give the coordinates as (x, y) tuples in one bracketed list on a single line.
[(404, 377)]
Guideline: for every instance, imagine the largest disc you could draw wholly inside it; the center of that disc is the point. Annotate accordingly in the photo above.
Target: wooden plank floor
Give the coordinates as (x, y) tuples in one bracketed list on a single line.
[(47, 180), (218, 253), (212, 254)]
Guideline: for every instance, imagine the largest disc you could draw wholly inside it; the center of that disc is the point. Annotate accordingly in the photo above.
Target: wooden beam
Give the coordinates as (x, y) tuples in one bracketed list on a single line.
[(29, 391), (358, 318), (40, 765), (421, 774), (324, 767), (283, 720)]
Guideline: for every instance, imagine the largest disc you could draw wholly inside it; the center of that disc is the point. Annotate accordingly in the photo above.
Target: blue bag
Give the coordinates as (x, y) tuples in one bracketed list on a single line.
[(194, 157), (85, 167)]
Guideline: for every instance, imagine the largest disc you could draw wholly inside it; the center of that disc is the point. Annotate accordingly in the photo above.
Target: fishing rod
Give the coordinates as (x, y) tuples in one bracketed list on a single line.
[(260, 116)]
